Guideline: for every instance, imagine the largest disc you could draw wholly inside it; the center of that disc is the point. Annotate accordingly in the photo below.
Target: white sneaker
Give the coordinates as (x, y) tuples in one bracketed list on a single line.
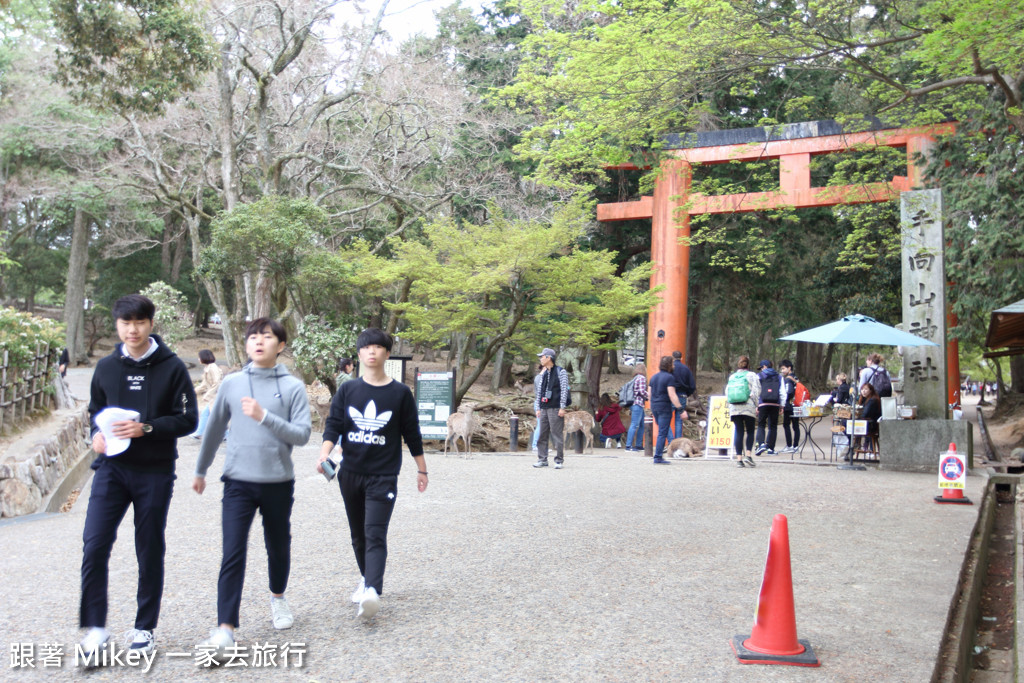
[(281, 613), (357, 595), (140, 640), (220, 640), (95, 639), (369, 604)]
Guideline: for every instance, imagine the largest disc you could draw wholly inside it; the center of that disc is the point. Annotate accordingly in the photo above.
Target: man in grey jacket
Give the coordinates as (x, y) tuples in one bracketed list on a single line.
[(269, 414), (550, 401)]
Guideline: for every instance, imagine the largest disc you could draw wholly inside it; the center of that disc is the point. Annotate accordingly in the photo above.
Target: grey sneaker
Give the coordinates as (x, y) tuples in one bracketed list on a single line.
[(140, 640), (91, 645), (369, 605), (281, 613), (357, 595), (220, 640), (541, 463)]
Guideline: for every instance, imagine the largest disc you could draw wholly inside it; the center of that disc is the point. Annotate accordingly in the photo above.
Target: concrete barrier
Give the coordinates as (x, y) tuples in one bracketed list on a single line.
[(914, 445)]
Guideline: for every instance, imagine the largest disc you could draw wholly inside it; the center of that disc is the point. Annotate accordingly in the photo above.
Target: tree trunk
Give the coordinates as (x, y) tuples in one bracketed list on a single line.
[(180, 245), (225, 134), (74, 295), (165, 249), (594, 378), (1017, 374)]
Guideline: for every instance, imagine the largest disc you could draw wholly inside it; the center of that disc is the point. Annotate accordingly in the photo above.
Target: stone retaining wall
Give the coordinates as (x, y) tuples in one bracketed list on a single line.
[(26, 480)]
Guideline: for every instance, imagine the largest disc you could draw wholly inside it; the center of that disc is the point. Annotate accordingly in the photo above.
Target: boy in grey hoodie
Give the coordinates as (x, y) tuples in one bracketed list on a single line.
[(269, 414)]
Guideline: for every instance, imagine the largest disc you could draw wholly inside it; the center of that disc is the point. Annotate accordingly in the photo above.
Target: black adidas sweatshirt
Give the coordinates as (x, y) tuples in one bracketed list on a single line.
[(160, 389), (369, 423)]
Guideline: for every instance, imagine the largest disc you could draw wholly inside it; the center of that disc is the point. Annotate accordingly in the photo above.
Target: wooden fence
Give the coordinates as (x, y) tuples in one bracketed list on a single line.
[(23, 392)]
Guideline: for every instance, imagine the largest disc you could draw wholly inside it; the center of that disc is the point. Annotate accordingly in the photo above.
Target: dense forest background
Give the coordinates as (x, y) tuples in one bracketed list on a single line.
[(278, 158)]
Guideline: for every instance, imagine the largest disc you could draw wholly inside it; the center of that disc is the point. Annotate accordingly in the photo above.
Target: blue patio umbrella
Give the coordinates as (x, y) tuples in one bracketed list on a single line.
[(858, 329)]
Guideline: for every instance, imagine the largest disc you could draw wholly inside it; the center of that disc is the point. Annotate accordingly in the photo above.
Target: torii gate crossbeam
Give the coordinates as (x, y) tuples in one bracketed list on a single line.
[(793, 145)]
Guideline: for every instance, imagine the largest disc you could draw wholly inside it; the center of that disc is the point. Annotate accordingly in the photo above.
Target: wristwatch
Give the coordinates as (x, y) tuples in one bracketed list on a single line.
[(146, 428)]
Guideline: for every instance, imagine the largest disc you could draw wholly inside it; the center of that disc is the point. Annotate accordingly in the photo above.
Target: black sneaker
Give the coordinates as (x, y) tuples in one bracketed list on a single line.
[(661, 461), (739, 463), (749, 461)]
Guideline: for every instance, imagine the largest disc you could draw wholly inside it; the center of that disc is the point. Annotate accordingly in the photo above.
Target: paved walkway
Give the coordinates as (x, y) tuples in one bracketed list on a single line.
[(611, 569)]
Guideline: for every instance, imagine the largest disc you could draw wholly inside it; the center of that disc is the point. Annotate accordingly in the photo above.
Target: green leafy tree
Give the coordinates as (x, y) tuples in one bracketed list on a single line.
[(982, 190), (514, 283), (319, 344), (130, 55)]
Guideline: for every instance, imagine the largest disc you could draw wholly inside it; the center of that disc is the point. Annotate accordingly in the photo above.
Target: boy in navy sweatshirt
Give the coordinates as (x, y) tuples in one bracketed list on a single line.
[(269, 414), (144, 376), (369, 418)]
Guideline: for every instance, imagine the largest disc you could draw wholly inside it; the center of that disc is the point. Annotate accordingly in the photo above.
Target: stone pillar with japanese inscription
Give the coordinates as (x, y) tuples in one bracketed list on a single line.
[(924, 302)]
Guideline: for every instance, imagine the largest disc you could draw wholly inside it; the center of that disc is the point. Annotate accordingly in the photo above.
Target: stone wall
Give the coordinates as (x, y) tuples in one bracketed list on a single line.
[(28, 478)]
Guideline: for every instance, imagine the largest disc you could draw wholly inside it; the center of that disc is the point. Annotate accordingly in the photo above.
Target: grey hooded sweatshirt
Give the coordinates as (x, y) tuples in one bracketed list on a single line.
[(257, 452)]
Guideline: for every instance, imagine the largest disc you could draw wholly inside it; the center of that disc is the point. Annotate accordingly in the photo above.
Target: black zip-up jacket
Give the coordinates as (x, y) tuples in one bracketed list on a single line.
[(160, 389)]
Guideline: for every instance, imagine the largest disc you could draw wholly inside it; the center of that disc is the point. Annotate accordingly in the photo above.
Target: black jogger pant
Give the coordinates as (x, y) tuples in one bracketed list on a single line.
[(369, 502)]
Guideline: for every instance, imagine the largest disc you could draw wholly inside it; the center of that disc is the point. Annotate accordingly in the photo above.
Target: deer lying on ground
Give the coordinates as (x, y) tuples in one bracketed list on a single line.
[(580, 421), (462, 424)]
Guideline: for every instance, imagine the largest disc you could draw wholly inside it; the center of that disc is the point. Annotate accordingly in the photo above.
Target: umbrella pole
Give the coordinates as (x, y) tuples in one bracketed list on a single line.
[(849, 437)]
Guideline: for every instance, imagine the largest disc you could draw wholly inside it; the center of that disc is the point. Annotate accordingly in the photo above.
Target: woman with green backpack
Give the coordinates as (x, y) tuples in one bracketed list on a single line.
[(742, 392)]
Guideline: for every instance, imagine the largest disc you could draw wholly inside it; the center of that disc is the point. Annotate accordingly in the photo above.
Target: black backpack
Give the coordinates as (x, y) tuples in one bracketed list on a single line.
[(881, 381), (770, 393)]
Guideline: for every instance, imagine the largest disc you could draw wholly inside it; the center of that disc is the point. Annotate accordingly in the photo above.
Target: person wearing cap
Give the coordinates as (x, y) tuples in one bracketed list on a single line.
[(550, 401), (768, 405)]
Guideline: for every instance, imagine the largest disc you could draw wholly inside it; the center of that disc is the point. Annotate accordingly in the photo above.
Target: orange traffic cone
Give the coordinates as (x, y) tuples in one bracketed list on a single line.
[(952, 468), (773, 639)]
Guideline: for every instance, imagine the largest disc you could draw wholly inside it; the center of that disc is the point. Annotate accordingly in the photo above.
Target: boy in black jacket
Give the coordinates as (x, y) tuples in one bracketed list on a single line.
[(369, 418), (145, 376)]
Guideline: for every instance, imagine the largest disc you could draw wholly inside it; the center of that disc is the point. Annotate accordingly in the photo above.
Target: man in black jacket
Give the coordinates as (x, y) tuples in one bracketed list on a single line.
[(144, 376)]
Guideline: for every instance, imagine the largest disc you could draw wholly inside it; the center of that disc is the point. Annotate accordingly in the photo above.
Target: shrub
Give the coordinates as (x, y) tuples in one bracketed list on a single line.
[(19, 335), (318, 345), (173, 319)]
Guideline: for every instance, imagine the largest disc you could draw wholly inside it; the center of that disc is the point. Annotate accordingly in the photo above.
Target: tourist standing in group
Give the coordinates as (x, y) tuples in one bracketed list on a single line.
[(874, 364), (790, 424), (664, 399), (268, 410), (550, 403), (635, 435), (370, 417), (768, 405), (686, 385), (742, 391), (135, 467)]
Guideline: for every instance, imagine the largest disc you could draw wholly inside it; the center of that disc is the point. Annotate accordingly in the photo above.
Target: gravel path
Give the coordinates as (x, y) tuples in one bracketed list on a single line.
[(611, 569)]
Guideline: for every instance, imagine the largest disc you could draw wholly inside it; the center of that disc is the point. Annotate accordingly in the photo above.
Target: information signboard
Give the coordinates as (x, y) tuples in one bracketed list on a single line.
[(435, 396)]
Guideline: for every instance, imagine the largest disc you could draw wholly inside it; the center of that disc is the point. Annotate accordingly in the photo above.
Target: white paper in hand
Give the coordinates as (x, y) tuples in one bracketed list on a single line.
[(105, 420)]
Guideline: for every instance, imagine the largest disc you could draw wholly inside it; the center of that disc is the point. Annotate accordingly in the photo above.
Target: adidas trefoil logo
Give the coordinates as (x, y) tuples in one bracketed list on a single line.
[(370, 420)]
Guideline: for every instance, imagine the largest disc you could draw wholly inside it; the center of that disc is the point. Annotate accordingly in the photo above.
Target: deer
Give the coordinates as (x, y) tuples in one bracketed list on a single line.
[(580, 421), (461, 423)]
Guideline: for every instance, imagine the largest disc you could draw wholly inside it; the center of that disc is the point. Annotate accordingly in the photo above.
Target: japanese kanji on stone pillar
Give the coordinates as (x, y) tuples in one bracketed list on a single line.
[(924, 302)]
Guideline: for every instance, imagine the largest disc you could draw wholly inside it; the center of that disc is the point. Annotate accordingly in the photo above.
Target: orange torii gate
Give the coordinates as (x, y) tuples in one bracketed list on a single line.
[(793, 145)]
